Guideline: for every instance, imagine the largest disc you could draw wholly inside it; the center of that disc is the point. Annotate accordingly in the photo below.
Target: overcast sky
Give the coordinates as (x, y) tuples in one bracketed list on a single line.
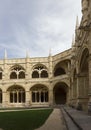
[(37, 26)]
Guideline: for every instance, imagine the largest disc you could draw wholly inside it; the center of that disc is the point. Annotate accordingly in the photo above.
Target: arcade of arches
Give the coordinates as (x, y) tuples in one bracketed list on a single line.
[(66, 82), (39, 95), (64, 78)]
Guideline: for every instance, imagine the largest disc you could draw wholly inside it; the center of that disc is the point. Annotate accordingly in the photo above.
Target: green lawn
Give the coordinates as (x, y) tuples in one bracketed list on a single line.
[(23, 120)]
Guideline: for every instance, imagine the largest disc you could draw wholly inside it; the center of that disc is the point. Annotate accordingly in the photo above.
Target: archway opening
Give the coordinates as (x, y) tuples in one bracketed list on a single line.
[(84, 79), (22, 75), (13, 75), (39, 94), (59, 71), (44, 74), (35, 74), (60, 93), (16, 94)]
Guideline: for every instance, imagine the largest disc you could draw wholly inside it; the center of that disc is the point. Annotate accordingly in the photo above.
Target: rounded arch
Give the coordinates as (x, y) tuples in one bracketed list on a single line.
[(16, 94), (15, 87), (39, 71), (13, 75), (61, 67), (39, 93), (35, 74), (21, 75), (17, 72), (44, 74), (59, 71), (39, 66), (60, 92), (17, 67)]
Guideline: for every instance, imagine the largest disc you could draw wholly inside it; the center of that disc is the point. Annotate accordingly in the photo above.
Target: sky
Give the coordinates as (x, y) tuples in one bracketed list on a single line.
[(37, 26)]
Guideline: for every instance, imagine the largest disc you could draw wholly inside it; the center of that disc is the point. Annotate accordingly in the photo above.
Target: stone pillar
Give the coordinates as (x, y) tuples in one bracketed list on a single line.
[(5, 72), (78, 87), (89, 62), (85, 5), (82, 92), (50, 67), (28, 67), (51, 95), (78, 104), (28, 99), (4, 99), (89, 103), (69, 66), (71, 88)]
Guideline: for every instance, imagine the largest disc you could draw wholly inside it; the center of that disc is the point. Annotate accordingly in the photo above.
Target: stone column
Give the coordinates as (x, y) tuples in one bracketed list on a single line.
[(28, 68), (5, 72), (50, 67), (85, 5), (89, 62), (89, 103), (51, 95), (4, 101), (28, 99)]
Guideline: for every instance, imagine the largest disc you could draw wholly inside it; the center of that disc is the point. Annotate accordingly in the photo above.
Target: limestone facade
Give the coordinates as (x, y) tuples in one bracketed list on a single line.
[(32, 82), (80, 61), (46, 81)]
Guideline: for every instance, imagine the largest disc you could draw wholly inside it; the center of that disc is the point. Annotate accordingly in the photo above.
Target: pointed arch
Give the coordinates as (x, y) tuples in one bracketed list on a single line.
[(84, 60), (84, 77)]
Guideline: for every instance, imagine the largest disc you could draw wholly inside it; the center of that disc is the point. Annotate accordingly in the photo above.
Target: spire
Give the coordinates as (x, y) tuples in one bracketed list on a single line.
[(77, 23), (27, 53), (50, 52), (73, 40), (5, 54)]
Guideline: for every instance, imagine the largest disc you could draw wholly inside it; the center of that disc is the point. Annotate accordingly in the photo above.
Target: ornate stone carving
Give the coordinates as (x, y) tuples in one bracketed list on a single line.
[(85, 11)]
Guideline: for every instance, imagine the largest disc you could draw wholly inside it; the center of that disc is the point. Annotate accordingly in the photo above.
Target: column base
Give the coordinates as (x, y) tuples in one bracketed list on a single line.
[(79, 106)]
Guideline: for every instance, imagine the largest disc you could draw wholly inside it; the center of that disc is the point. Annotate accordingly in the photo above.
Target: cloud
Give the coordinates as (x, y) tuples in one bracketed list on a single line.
[(37, 26)]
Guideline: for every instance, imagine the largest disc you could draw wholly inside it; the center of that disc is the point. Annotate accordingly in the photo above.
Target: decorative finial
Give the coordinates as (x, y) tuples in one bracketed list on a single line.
[(5, 54), (77, 22), (27, 53), (73, 40), (50, 52)]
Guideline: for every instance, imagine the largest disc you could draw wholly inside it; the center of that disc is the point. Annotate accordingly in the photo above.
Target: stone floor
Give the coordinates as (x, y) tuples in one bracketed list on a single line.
[(80, 118)]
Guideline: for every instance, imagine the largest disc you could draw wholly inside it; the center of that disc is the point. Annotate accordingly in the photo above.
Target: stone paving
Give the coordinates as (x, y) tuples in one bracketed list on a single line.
[(54, 122), (81, 119)]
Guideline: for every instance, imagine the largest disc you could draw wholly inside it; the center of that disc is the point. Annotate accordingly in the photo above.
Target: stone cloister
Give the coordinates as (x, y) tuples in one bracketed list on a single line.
[(63, 78), (34, 82)]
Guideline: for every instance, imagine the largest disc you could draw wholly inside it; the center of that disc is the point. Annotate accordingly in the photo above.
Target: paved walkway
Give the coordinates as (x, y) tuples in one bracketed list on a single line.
[(80, 118), (54, 122)]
